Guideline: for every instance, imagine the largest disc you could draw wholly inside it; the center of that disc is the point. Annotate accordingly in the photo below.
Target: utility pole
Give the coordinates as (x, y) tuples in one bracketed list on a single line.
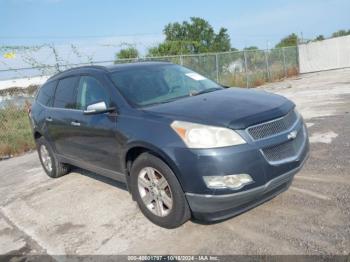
[(301, 38)]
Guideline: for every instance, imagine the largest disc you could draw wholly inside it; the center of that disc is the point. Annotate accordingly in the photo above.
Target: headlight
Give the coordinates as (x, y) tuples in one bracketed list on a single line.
[(203, 136), (232, 181)]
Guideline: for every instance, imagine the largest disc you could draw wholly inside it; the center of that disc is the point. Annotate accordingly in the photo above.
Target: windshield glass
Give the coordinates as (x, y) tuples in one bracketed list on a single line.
[(154, 84)]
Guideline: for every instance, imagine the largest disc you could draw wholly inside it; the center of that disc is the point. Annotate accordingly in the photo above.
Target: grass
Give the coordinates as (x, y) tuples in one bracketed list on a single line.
[(15, 132), (256, 78)]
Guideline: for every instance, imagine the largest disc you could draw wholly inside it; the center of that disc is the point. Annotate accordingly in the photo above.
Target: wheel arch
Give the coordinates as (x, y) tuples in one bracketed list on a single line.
[(136, 149)]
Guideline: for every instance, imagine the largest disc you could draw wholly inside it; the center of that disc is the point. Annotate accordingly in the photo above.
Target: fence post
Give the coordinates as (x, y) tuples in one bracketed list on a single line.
[(284, 62), (217, 67), (267, 66), (246, 68), (298, 58), (181, 60)]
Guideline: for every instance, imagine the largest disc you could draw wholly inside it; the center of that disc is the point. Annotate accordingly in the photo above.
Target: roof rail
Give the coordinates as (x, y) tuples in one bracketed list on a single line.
[(78, 67), (145, 60)]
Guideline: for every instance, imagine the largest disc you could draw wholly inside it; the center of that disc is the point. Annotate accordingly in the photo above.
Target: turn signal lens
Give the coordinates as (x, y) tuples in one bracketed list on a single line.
[(231, 181)]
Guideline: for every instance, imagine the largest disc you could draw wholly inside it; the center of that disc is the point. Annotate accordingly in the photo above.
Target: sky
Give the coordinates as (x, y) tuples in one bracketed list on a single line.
[(108, 24), (98, 29)]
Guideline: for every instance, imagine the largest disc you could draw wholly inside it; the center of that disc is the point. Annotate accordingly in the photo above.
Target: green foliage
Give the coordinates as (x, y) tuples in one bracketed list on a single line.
[(249, 48), (221, 42), (341, 33), (171, 48), (319, 38), (127, 53), (15, 133), (194, 37), (290, 40)]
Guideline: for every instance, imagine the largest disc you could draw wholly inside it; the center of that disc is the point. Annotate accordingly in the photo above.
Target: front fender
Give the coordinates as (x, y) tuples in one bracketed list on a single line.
[(163, 154)]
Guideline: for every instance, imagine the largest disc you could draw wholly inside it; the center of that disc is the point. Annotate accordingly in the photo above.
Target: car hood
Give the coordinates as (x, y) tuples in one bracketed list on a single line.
[(235, 108)]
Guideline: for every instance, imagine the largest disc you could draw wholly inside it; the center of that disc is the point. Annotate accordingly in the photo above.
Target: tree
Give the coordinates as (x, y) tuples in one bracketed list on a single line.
[(319, 38), (341, 33), (130, 52), (170, 48), (222, 41), (250, 48), (193, 37), (291, 40)]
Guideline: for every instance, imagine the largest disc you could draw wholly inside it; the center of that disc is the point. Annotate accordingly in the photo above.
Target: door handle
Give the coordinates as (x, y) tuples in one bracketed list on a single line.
[(75, 123), (49, 119)]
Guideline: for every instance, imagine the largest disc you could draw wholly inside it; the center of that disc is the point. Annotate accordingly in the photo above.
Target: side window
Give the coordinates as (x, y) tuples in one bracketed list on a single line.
[(90, 91), (46, 93), (65, 93)]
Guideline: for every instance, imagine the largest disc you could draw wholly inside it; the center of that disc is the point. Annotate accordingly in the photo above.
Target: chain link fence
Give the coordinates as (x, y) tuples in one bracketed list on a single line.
[(249, 68)]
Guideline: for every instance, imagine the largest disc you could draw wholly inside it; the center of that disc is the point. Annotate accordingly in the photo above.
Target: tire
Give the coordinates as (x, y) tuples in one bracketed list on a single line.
[(57, 169), (171, 215)]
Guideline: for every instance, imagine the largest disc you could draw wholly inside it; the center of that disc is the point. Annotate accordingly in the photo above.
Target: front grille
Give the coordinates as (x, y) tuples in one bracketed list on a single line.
[(286, 150), (273, 127)]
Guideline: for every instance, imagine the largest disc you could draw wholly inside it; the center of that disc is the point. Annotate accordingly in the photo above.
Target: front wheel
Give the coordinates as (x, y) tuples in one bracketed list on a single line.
[(158, 192), (53, 168)]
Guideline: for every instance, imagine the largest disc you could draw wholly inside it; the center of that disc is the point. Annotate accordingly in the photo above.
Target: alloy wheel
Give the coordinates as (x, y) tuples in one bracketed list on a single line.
[(45, 157), (155, 191)]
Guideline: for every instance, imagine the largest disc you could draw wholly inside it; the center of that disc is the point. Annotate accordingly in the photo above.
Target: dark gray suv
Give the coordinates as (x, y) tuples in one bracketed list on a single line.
[(184, 145)]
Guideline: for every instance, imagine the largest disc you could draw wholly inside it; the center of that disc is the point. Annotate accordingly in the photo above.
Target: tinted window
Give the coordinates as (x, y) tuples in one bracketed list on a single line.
[(46, 93), (148, 85), (90, 91), (65, 93)]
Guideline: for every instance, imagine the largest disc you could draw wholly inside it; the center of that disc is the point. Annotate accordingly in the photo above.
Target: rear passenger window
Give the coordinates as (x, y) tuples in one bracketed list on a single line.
[(46, 93), (65, 93)]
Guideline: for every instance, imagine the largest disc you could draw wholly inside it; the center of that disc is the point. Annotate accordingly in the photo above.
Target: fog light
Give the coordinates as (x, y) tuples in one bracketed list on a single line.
[(232, 181)]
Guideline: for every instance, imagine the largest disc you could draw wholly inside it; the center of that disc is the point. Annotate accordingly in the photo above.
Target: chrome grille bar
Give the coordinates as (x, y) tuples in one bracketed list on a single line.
[(273, 127)]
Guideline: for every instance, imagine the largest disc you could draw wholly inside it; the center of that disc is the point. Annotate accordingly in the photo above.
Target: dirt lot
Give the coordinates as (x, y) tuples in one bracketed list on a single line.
[(85, 214)]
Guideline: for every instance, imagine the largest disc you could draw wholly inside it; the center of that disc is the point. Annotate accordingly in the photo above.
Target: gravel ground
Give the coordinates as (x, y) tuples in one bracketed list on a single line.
[(83, 213)]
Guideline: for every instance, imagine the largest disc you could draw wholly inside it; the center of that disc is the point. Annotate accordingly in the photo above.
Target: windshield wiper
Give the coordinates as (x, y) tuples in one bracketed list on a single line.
[(173, 99), (205, 91), (191, 94), (167, 101)]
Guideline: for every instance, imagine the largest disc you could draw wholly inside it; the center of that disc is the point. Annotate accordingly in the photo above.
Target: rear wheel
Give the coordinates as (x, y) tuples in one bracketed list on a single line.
[(158, 192), (53, 168)]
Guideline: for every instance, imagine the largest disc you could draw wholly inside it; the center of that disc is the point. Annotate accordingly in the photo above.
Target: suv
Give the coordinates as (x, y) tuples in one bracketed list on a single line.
[(184, 145)]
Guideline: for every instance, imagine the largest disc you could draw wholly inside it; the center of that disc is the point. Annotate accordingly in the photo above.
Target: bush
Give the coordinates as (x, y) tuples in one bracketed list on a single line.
[(15, 132)]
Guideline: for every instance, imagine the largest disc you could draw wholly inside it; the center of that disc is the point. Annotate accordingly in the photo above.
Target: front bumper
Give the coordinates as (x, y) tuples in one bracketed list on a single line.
[(190, 165), (219, 207)]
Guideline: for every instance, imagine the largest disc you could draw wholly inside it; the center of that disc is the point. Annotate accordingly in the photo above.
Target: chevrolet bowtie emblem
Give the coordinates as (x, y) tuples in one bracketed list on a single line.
[(292, 135)]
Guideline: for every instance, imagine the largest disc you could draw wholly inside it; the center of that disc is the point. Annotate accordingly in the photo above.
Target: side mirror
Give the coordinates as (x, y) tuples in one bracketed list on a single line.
[(98, 108)]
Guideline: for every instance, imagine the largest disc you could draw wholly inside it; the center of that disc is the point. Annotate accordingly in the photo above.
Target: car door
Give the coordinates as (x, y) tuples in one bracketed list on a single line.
[(60, 116), (96, 143)]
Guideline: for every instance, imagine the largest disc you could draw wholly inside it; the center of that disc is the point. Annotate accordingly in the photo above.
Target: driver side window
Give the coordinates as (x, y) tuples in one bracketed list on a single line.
[(90, 91)]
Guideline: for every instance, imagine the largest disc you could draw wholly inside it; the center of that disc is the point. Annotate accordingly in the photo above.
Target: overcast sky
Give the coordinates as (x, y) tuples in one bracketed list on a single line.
[(110, 23)]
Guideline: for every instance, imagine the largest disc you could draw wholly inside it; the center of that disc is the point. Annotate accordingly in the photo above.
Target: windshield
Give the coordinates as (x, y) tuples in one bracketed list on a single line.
[(148, 85)]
